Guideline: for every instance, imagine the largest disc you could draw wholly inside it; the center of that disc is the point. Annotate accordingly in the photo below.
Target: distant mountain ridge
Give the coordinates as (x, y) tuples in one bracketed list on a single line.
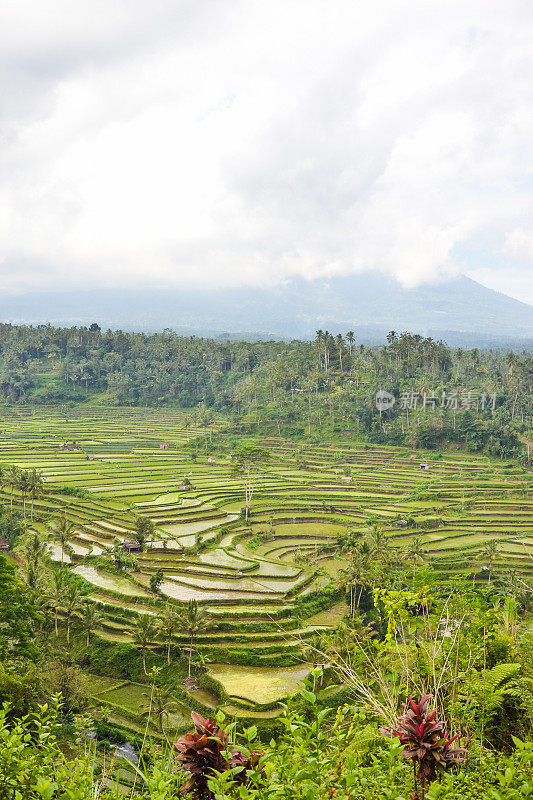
[(370, 304)]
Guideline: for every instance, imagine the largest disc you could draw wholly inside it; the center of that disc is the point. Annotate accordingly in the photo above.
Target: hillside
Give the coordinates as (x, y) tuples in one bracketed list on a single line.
[(460, 310)]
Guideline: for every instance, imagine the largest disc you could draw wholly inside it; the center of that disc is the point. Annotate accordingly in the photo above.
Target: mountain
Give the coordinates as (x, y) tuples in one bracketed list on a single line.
[(459, 310)]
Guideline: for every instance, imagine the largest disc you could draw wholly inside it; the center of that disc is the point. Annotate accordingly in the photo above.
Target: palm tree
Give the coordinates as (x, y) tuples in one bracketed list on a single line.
[(379, 544), (415, 551), (63, 529), (23, 482), (145, 632), (35, 487), (33, 552), (489, 554), (72, 603), (193, 622), (91, 618), (56, 592), (350, 577), (167, 625), (12, 481), (318, 342), (339, 343), (350, 338), (162, 704)]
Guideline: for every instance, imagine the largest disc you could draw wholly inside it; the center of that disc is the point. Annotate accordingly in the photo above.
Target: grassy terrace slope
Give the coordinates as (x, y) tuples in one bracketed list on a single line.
[(249, 578)]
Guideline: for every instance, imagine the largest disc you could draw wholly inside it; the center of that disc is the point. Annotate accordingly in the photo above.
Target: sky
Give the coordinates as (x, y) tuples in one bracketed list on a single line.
[(226, 142)]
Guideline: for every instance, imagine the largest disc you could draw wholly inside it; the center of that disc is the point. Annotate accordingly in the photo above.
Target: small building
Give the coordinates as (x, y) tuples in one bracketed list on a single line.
[(211, 460), (4, 545), (71, 447), (131, 547), (401, 522), (185, 486), (164, 446), (347, 479), (89, 458), (424, 466)]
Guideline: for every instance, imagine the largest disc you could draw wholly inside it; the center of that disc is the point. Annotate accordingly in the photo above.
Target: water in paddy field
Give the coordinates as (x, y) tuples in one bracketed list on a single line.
[(54, 550), (186, 593), (111, 582)]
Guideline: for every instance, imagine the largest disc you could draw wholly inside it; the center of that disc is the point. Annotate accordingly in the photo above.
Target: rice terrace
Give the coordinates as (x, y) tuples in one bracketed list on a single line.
[(266, 586)]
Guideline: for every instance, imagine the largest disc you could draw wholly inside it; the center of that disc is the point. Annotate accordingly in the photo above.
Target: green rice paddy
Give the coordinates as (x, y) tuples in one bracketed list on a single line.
[(248, 577)]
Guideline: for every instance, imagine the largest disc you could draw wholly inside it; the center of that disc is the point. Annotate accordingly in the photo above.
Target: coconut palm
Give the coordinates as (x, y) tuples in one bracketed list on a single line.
[(91, 618), (23, 484), (12, 477), (33, 552), (167, 626), (63, 529), (72, 604), (415, 552), (193, 622), (350, 338), (489, 554), (38, 596), (35, 486), (145, 632), (56, 592), (379, 544), (162, 705)]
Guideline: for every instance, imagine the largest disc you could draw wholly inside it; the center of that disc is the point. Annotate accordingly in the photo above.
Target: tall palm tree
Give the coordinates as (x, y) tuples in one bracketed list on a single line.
[(339, 344), (193, 622), (379, 544), (489, 554), (56, 592), (35, 487), (167, 626), (318, 341), (23, 481), (162, 704), (144, 633), (63, 529), (415, 551), (91, 618), (35, 549), (12, 481), (350, 338), (72, 603)]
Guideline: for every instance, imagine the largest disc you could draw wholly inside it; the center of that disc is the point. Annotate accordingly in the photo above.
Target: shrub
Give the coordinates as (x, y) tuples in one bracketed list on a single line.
[(425, 743), (205, 753)]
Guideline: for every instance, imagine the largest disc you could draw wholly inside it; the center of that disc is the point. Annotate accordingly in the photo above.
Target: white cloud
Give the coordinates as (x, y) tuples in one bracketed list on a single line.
[(170, 143)]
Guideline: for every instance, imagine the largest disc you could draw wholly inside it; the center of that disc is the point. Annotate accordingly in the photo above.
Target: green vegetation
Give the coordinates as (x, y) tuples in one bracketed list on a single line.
[(159, 562)]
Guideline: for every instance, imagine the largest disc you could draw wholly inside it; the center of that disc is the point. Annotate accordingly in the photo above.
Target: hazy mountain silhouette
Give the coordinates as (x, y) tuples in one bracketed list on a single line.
[(458, 309)]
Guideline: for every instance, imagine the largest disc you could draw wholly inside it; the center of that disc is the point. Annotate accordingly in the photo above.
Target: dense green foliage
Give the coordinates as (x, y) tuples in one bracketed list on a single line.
[(393, 583), (478, 399)]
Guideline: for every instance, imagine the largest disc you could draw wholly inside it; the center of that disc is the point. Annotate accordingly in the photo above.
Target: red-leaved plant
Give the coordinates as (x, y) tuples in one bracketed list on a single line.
[(205, 752), (425, 743)]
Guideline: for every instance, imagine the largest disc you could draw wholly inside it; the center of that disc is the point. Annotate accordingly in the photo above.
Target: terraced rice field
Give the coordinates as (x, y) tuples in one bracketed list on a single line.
[(248, 577)]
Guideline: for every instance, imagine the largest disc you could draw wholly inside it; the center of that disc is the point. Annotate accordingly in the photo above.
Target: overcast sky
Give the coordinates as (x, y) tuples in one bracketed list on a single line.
[(219, 142)]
